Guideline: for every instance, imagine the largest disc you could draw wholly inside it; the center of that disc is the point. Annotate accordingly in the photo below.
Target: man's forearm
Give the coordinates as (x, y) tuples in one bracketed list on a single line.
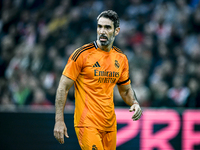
[(129, 97), (61, 95), (127, 94)]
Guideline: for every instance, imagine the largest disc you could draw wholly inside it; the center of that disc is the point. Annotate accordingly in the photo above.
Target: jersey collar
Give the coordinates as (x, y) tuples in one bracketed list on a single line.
[(95, 44)]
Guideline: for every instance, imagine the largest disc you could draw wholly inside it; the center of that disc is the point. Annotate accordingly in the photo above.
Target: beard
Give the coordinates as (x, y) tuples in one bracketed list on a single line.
[(105, 43), (107, 40)]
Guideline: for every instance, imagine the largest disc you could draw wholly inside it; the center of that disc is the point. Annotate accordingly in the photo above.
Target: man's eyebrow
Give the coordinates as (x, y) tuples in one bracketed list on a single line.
[(108, 26), (104, 25)]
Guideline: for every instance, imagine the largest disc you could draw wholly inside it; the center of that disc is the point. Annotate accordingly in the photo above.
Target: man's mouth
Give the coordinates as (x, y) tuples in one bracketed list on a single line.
[(103, 38)]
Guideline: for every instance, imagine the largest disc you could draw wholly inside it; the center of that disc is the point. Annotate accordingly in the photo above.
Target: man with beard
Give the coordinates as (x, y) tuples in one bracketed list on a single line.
[(95, 69)]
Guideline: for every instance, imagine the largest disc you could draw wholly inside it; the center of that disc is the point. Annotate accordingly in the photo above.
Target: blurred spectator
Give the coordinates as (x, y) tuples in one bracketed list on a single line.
[(161, 98), (195, 21), (138, 84), (20, 89), (178, 92), (39, 99), (59, 19), (193, 99), (6, 102)]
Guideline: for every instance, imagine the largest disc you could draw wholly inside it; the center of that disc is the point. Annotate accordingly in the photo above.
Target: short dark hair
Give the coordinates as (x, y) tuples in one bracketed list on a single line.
[(112, 15)]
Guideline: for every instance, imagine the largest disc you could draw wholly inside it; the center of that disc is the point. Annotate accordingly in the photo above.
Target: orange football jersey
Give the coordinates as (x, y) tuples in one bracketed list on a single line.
[(95, 73)]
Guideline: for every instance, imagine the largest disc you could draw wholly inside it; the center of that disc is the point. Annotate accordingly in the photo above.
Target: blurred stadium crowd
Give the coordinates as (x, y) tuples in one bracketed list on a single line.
[(161, 39)]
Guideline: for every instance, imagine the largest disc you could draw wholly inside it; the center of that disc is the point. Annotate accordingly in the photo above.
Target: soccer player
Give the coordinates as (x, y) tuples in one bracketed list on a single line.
[(95, 69)]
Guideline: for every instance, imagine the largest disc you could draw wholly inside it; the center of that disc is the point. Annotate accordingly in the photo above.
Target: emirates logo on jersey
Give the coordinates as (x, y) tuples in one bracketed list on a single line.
[(117, 65), (106, 76)]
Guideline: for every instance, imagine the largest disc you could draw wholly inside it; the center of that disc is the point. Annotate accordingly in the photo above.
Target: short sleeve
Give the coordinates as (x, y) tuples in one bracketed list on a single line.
[(73, 68), (124, 78)]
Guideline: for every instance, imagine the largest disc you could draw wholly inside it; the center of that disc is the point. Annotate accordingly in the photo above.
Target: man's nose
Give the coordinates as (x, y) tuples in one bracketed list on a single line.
[(102, 31)]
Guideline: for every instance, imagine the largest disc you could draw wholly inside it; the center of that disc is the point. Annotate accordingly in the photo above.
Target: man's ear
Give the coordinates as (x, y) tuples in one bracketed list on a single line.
[(117, 31)]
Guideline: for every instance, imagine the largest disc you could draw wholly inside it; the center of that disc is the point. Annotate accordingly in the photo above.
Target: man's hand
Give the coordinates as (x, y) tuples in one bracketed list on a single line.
[(60, 130), (138, 111)]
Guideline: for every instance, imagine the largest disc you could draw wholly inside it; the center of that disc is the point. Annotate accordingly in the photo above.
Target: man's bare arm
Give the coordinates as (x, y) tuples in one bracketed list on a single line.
[(129, 97), (61, 95), (60, 128), (127, 94)]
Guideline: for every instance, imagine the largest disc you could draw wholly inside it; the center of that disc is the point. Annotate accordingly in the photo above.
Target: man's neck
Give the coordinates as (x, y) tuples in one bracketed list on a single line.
[(105, 48)]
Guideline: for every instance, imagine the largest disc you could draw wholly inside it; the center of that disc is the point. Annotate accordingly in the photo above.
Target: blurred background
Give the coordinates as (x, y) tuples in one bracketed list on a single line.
[(161, 39)]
